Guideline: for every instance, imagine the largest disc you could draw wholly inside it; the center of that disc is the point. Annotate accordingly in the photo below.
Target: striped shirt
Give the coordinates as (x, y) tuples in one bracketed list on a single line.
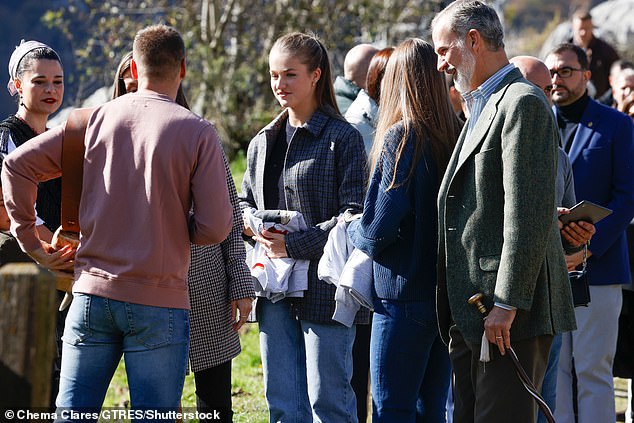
[(478, 98)]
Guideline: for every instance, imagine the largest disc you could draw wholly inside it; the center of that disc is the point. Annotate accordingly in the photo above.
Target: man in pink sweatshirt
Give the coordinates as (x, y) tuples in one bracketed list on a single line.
[(153, 181)]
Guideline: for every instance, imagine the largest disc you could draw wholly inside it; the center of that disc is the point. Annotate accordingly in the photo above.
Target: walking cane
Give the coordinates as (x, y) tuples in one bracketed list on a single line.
[(476, 300)]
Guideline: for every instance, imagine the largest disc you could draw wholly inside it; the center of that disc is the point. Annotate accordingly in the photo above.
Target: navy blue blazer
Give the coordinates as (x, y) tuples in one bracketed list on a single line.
[(602, 158)]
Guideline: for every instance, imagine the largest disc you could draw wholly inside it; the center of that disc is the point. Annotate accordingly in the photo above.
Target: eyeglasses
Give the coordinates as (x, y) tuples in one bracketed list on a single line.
[(565, 72)]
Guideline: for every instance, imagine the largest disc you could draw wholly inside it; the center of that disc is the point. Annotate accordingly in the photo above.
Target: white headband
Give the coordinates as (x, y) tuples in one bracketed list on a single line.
[(20, 51)]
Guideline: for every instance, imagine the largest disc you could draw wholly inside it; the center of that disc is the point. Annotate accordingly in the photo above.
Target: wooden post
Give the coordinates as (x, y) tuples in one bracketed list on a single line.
[(28, 309)]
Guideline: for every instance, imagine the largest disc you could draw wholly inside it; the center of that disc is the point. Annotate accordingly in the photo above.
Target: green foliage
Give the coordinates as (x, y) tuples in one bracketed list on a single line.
[(533, 16), (228, 43), (238, 166)]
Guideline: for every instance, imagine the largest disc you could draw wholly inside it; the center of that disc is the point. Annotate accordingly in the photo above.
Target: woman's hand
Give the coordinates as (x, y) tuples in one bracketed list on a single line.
[(247, 230), (274, 243), (46, 256), (243, 306)]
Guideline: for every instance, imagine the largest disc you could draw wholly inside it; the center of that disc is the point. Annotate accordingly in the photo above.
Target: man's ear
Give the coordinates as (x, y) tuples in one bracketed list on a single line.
[(134, 70), (586, 75), (474, 40)]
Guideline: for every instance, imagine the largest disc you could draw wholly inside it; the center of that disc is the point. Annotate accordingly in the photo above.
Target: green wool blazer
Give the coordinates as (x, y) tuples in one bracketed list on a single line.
[(498, 231)]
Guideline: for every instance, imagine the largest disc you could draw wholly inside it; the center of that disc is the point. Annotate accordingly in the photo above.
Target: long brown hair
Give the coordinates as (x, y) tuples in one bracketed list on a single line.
[(415, 93), (312, 53), (118, 86)]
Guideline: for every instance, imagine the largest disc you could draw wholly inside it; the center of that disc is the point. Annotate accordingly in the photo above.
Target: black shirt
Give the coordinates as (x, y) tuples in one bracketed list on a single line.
[(274, 198), (568, 119)]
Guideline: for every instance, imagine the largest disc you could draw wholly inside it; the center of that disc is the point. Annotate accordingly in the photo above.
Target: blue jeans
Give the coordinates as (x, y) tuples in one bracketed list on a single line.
[(409, 364), (307, 367), (549, 386), (153, 340)]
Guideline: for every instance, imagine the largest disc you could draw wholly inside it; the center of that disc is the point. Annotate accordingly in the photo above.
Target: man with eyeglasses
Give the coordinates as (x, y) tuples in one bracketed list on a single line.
[(600, 144)]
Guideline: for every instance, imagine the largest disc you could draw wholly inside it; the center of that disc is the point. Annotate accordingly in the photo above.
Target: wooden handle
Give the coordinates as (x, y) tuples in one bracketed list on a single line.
[(476, 300)]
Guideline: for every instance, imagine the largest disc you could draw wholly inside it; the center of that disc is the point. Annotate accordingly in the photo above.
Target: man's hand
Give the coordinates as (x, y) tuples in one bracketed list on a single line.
[(574, 260), (243, 305), (46, 256), (578, 233), (497, 327), (274, 243)]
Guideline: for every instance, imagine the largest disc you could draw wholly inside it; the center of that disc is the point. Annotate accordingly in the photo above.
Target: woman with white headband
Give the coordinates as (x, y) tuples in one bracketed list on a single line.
[(37, 78)]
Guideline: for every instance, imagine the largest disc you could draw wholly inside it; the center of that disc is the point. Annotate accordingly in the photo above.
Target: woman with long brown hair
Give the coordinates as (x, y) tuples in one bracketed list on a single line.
[(416, 132)]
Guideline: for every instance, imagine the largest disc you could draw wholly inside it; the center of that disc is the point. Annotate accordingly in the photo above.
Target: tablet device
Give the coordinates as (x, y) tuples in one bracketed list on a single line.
[(586, 211)]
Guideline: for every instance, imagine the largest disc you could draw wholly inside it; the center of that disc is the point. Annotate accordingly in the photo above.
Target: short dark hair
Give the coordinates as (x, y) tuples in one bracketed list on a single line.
[(160, 50), (578, 51), (619, 65)]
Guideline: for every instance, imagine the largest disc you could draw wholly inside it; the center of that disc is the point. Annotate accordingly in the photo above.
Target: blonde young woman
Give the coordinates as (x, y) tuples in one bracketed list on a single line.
[(310, 160), (416, 132)]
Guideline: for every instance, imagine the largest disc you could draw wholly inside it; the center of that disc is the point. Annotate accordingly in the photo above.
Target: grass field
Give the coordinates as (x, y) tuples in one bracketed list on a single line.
[(247, 390)]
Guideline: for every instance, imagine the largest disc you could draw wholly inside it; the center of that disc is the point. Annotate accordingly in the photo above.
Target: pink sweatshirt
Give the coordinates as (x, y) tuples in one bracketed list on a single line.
[(147, 161)]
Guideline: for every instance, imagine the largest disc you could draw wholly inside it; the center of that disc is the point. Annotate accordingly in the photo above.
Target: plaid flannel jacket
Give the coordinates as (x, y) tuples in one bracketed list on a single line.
[(324, 175)]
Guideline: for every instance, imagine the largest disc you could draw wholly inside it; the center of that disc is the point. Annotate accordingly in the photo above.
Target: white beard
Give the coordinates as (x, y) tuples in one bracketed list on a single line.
[(464, 74)]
